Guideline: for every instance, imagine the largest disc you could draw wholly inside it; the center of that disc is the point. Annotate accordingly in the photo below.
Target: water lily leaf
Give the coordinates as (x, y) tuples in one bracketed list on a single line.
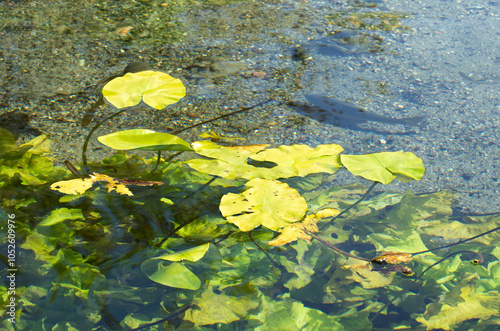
[(62, 214), (288, 314), (472, 305), (191, 254), (227, 162), (401, 241), (303, 268), (362, 273), (268, 202), (458, 230), (143, 139), (383, 167), (255, 161), (175, 275), (156, 88), (173, 271), (302, 160), (297, 231), (219, 308)]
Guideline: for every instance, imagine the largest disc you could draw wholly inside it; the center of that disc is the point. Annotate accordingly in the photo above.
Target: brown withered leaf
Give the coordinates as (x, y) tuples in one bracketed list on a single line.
[(392, 258)]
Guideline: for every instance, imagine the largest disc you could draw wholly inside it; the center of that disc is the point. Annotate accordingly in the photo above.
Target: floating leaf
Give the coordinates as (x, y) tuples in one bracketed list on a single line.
[(62, 214), (392, 258), (302, 159), (143, 139), (383, 167), (227, 162), (156, 88), (254, 161), (219, 308), (267, 202)]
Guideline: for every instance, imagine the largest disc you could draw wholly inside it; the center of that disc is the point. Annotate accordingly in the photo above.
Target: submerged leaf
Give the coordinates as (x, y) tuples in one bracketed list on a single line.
[(362, 273), (471, 306), (219, 308), (157, 89), (268, 202), (175, 275), (62, 214), (143, 139), (297, 231), (383, 167), (191, 254)]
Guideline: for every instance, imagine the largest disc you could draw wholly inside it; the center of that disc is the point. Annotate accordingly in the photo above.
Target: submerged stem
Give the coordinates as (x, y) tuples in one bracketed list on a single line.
[(370, 189), (87, 139)]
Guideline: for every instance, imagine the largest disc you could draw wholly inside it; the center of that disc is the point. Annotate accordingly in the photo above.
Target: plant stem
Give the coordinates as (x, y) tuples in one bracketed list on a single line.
[(87, 139), (370, 189)]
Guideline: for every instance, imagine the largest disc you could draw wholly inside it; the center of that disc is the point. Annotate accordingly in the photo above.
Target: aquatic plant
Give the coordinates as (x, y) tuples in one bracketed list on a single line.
[(229, 237)]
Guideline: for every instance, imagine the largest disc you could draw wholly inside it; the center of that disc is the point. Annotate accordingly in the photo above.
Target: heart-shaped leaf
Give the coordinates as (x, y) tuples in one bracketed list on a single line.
[(176, 269), (143, 139), (383, 167), (156, 88)]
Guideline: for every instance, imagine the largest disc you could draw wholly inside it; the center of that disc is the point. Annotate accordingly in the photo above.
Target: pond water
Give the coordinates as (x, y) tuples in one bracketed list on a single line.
[(172, 250)]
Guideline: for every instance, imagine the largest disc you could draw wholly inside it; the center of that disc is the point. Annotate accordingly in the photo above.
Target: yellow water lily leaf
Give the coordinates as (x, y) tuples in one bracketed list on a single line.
[(156, 88), (266, 202), (73, 186), (303, 159), (227, 162)]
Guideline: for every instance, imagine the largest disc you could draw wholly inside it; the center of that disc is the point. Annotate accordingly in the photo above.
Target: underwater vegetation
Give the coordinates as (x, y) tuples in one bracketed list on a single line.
[(253, 237)]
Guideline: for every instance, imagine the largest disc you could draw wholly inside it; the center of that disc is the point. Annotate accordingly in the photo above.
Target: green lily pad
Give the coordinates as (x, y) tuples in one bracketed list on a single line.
[(144, 139), (267, 202), (156, 88), (383, 167)]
